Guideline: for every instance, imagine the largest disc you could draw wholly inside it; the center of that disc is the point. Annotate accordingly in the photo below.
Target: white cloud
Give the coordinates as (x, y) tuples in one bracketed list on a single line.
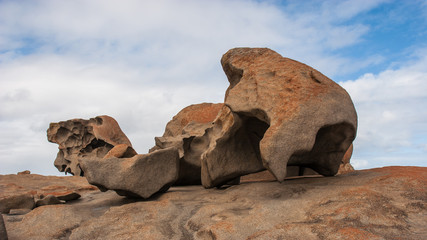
[(359, 163), (391, 111)]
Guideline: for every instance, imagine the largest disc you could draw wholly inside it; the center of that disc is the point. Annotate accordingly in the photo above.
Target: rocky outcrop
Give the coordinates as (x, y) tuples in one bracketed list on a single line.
[(298, 116), (79, 138), (384, 203)]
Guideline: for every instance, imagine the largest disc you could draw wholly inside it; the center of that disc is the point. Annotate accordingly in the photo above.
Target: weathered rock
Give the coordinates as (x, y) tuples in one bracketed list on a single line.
[(23, 200), (233, 148), (199, 113), (79, 138), (186, 133), (3, 233), (68, 196), (48, 200), (139, 176), (385, 203), (24, 172), (298, 116), (20, 191)]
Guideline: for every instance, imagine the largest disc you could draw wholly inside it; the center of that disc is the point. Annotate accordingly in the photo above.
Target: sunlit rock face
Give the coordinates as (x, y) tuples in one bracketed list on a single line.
[(298, 116)]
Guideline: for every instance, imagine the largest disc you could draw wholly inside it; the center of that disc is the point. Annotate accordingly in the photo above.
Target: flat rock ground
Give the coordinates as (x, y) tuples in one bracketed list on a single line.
[(384, 203)]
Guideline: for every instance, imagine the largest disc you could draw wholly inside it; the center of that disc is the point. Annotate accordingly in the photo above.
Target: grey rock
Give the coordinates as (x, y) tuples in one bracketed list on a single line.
[(233, 149), (139, 176), (48, 200)]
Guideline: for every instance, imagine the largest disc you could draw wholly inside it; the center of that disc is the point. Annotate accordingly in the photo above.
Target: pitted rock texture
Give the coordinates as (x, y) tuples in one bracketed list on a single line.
[(311, 120), (385, 203), (139, 176), (79, 138)]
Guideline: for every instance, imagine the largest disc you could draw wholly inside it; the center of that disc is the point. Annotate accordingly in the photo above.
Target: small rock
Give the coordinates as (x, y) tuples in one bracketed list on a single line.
[(48, 200), (69, 196), (120, 151), (20, 211), (24, 172)]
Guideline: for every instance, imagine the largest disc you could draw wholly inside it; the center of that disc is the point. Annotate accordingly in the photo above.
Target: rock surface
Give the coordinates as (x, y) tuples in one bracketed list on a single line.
[(384, 203), (298, 116), (21, 191), (79, 138)]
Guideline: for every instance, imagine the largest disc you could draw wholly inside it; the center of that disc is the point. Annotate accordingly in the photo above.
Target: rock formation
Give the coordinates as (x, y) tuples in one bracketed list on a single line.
[(278, 113), (79, 138), (293, 113), (384, 203)]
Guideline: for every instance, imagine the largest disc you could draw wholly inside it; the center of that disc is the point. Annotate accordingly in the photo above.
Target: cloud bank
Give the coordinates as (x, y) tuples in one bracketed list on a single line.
[(142, 61)]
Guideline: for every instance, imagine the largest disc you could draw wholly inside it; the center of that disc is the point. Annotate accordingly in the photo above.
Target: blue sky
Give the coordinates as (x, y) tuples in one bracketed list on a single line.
[(142, 61)]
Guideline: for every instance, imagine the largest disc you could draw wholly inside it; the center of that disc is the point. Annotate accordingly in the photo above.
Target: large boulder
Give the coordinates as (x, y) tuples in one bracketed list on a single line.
[(298, 116), (80, 138)]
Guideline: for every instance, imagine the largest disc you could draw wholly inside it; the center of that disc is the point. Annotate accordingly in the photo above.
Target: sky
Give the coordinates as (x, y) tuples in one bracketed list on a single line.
[(143, 61)]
